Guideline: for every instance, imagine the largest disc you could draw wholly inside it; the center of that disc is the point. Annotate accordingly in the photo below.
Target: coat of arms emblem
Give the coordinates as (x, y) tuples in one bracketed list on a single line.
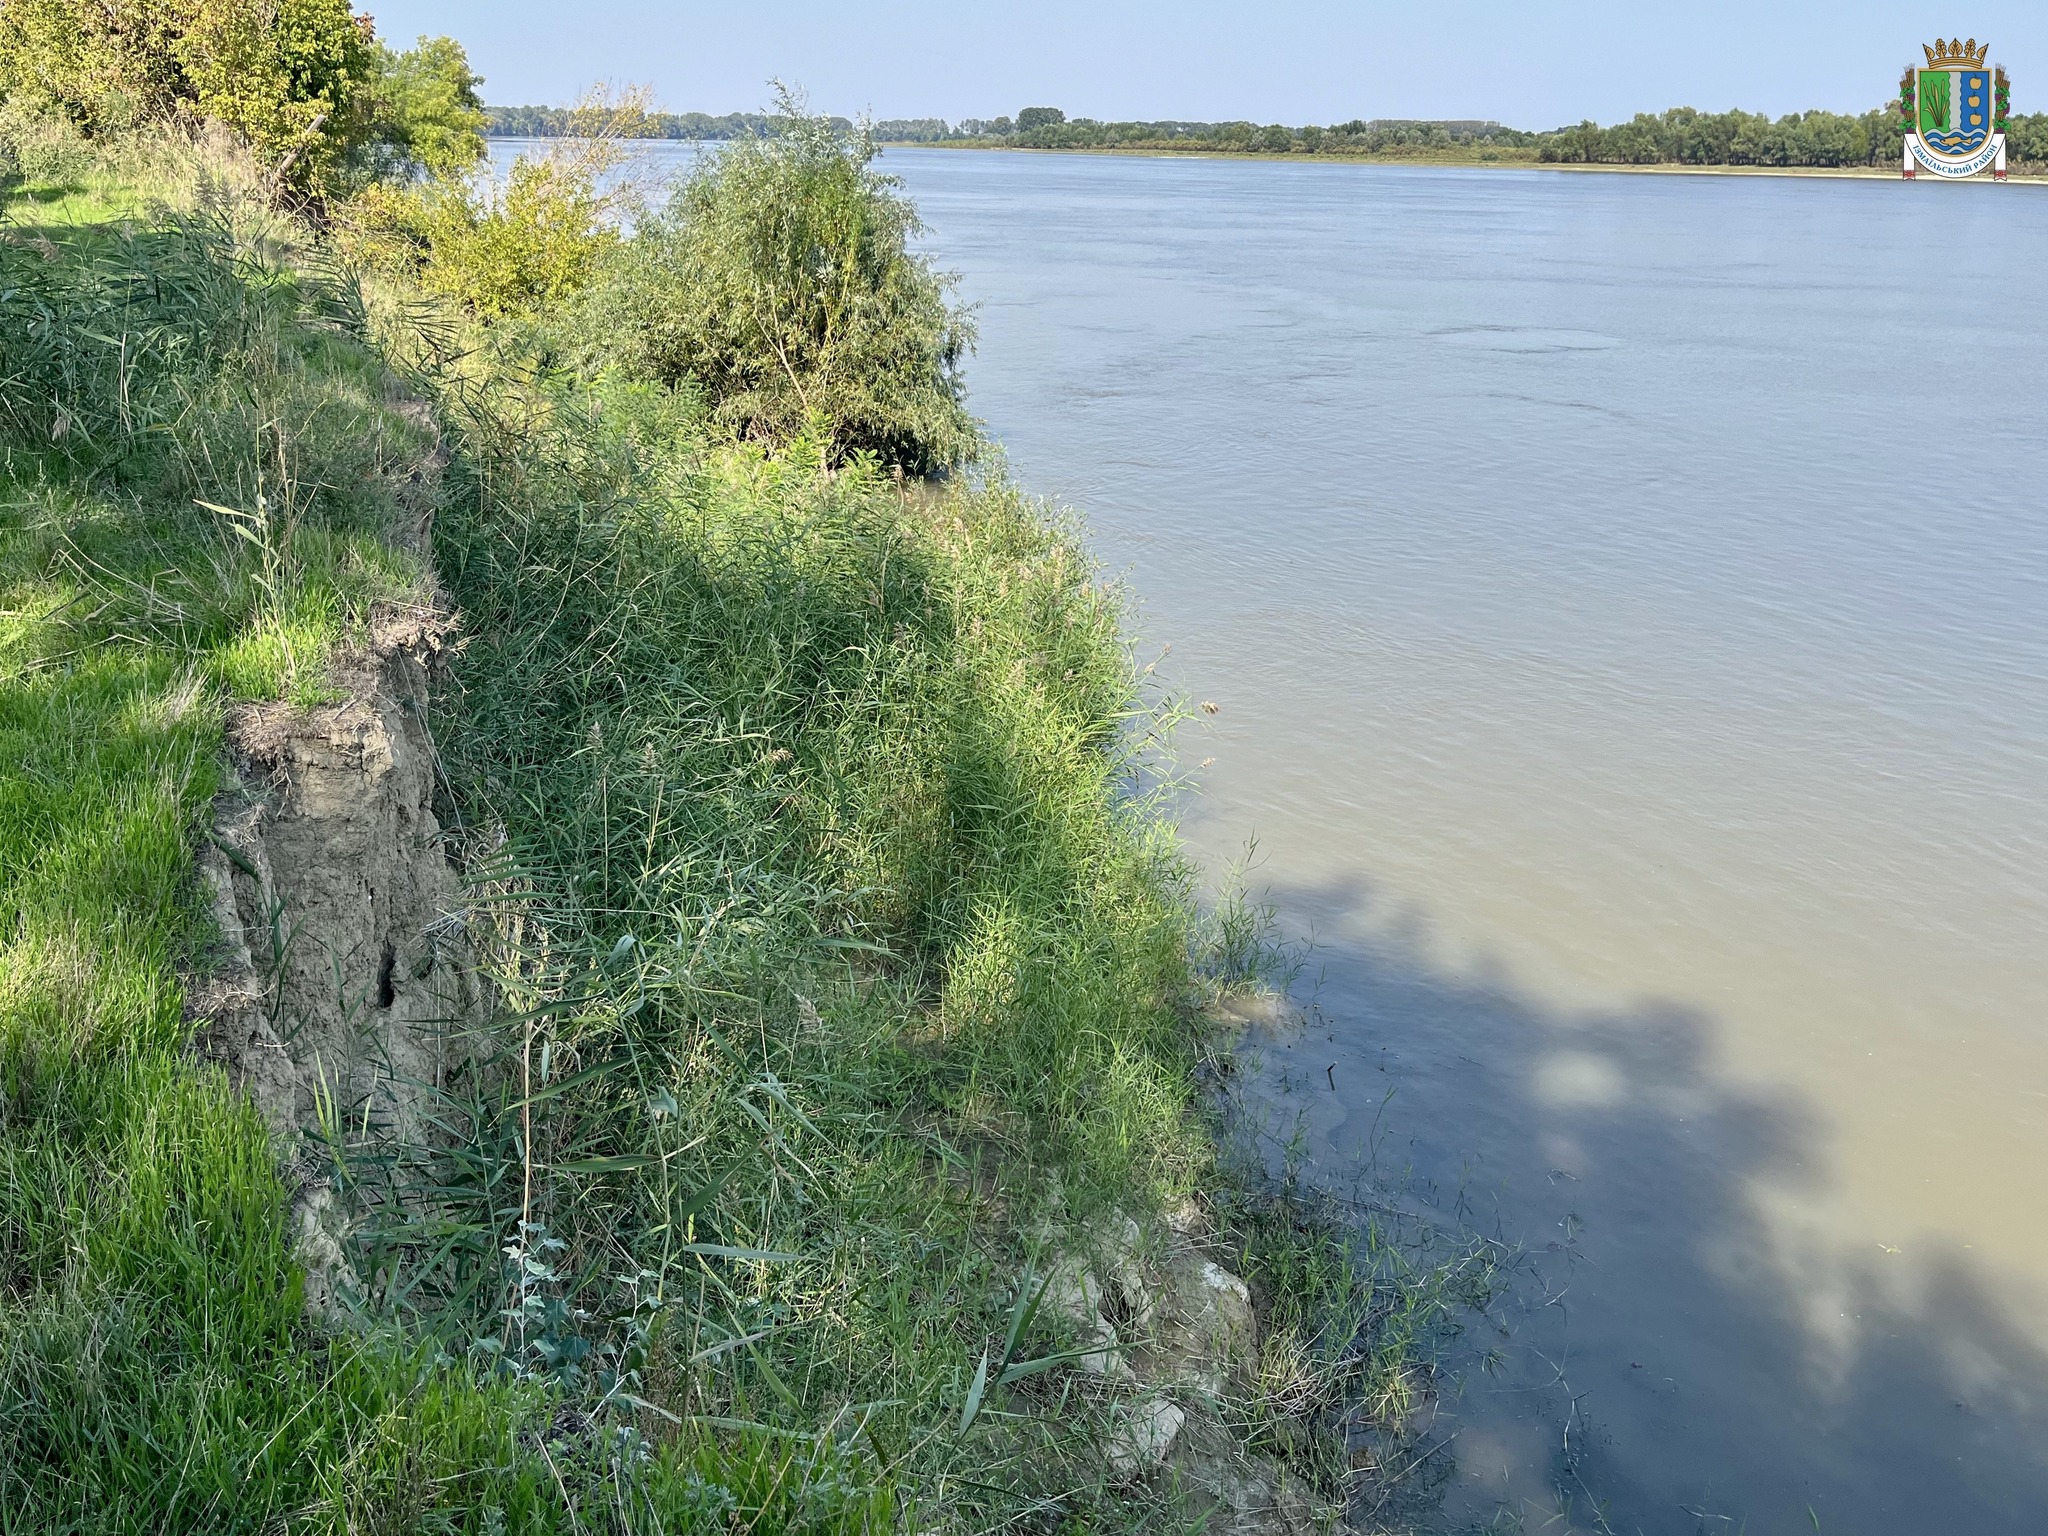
[(1955, 111)]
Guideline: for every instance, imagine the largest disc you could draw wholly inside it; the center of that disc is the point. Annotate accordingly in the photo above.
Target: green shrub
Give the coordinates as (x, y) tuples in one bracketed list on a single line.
[(507, 249), (781, 283), (42, 149)]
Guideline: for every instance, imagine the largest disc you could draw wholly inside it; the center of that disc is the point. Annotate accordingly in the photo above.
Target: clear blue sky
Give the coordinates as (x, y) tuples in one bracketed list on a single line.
[(1297, 61)]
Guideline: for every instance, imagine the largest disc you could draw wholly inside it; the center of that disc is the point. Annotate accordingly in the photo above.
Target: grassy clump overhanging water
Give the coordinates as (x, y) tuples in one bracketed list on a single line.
[(842, 955), (846, 958)]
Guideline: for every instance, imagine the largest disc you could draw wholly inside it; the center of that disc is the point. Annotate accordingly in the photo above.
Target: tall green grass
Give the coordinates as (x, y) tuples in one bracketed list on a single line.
[(845, 957), (814, 1030), (156, 1370), (849, 960), (841, 948)]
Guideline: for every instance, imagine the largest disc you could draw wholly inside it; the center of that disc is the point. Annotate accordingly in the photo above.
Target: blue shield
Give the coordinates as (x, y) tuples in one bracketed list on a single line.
[(1969, 114)]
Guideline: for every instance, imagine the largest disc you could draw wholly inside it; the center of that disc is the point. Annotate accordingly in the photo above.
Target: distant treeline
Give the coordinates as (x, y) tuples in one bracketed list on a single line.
[(1378, 137), (1681, 136), (1040, 128), (579, 122)]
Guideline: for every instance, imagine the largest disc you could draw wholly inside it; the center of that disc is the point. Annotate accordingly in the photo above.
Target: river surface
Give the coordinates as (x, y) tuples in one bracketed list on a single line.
[(1627, 602)]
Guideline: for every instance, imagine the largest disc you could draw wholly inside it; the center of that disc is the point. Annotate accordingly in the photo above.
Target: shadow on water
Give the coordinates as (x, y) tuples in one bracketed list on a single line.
[(1671, 1359)]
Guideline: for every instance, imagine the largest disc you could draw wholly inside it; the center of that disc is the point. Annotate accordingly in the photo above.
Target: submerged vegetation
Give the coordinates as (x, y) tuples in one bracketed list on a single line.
[(845, 966)]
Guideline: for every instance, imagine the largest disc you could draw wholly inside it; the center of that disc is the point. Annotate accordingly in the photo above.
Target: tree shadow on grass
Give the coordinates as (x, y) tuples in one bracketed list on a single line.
[(1659, 1369)]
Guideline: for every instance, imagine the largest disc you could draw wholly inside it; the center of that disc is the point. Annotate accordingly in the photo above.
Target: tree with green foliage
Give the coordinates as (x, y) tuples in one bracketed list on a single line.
[(305, 82), (1684, 136), (73, 57), (280, 75), (780, 284), (2026, 138), (1039, 117), (289, 75), (425, 115)]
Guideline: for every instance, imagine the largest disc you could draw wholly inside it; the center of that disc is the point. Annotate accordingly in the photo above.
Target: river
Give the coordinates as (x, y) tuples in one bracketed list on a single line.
[(1626, 600)]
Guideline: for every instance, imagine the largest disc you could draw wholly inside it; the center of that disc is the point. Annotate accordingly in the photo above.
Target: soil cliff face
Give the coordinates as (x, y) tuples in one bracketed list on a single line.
[(348, 980)]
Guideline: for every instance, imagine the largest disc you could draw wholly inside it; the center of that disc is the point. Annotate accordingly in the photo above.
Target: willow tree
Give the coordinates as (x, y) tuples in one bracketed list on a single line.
[(781, 284)]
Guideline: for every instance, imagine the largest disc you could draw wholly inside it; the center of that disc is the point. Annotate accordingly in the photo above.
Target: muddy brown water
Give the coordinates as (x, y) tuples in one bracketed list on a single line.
[(1627, 599), (1628, 602)]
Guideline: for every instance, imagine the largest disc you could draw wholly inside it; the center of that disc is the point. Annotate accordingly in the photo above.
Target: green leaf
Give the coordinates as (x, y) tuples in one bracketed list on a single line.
[(1024, 1368), (768, 1372), (555, 1090), (759, 1255), (974, 1395), (695, 1205), (629, 1163), (861, 945), (772, 1086), (1022, 1313)]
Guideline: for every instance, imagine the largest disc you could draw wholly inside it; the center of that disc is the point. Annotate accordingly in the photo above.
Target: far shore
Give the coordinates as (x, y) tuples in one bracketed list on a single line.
[(2034, 174), (1469, 162)]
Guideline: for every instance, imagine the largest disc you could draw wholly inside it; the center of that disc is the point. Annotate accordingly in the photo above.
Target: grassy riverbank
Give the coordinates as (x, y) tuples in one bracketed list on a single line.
[(848, 976)]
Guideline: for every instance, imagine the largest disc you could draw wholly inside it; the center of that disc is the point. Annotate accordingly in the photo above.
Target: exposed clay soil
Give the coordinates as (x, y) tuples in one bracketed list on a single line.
[(347, 982)]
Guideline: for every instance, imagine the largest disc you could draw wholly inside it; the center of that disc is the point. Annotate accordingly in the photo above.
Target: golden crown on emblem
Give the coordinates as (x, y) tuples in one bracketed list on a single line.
[(1955, 55)]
